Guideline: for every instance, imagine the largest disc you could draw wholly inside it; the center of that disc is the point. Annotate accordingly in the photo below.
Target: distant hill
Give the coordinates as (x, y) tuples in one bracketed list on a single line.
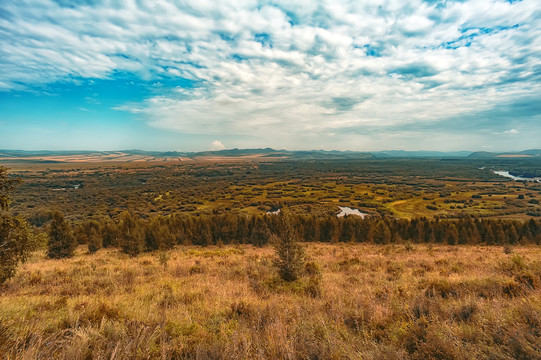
[(286, 154), (321, 154), (235, 152), (27, 153), (420, 153), (519, 154), (133, 155)]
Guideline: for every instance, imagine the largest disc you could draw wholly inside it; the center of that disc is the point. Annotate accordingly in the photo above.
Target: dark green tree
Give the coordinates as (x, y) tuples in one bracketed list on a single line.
[(311, 229), (16, 242), (380, 233), (260, 232), (499, 234), (463, 236), (131, 235), (16, 237), (61, 242), (7, 184), (94, 236), (489, 237), (109, 232), (452, 234), (158, 235), (512, 235)]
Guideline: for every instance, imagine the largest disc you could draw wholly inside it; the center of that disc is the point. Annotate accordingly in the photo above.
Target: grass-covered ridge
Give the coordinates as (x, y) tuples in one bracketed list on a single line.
[(353, 301)]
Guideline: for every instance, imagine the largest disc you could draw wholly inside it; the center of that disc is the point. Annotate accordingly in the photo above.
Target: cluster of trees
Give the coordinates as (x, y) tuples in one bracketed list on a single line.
[(18, 238), (134, 234)]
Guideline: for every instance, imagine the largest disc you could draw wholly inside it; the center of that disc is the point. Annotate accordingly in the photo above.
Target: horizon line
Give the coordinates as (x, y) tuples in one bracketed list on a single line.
[(266, 148)]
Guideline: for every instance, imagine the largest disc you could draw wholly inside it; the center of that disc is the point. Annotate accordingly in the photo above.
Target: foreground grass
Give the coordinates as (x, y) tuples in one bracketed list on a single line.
[(355, 301)]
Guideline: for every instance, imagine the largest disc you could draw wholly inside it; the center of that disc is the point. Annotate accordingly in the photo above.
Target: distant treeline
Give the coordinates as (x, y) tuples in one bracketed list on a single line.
[(134, 234)]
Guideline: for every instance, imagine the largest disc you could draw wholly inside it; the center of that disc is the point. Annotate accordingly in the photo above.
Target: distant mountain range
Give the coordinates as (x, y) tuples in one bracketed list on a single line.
[(50, 156)]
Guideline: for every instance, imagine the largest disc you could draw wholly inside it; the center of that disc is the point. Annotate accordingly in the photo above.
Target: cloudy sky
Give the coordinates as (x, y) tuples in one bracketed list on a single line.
[(201, 74)]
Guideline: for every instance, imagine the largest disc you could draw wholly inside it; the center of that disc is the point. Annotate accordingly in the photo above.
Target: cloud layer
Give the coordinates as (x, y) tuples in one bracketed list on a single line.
[(330, 74)]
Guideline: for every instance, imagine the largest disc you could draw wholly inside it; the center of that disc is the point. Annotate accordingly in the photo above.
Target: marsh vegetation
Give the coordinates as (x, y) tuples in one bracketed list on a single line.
[(403, 188)]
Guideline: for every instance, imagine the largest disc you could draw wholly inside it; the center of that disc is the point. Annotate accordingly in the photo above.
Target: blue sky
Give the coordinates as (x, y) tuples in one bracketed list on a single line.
[(196, 75)]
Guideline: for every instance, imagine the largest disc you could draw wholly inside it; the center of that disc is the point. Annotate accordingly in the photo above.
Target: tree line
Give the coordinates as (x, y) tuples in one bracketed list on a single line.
[(134, 234)]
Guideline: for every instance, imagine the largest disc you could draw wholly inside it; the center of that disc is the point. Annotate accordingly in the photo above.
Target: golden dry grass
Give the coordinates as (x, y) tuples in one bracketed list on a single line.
[(355, 302)]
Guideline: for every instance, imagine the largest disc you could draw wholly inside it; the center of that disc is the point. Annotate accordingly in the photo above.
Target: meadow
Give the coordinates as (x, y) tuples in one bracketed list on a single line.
[(354, 301)]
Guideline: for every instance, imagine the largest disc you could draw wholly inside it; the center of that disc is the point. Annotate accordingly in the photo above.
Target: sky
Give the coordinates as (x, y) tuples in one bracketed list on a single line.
[(336, 75)]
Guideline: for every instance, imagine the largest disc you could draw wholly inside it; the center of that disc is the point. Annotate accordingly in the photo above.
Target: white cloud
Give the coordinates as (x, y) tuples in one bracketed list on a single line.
[(280, 72), (217, 145), (512, 131)]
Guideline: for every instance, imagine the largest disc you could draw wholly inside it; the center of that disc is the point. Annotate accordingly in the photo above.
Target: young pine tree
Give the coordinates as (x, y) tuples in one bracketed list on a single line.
[(260, 233), (61, 242), (452, 235), (290, 256)]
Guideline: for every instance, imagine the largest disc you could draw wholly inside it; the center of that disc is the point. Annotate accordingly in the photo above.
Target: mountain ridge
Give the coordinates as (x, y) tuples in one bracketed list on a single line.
[(256, 153)]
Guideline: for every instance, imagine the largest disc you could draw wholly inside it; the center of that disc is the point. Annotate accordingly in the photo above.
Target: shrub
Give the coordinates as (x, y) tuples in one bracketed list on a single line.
[(517, 262), (312, 269), (507, 249), (313, 287), (163, 258), (241, 309), (196, 268), (465, 312), (442, 288), (408, 246)]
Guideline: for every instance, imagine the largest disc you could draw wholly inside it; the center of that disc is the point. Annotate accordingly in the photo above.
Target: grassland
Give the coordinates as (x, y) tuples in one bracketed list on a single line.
[(356, 301)]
